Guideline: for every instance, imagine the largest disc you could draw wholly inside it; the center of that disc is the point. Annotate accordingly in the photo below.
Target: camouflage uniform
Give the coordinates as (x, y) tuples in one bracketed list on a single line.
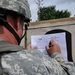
[(17, 61), (14, 60)]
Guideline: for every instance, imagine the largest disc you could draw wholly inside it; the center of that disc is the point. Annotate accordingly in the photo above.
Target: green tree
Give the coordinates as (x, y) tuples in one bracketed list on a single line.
[(62, 14), (48, 13)]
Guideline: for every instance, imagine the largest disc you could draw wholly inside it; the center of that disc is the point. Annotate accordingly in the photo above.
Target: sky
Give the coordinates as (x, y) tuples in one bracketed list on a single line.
[(60, 5)]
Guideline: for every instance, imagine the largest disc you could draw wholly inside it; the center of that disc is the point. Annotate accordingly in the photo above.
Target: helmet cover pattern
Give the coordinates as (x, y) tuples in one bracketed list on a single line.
[(19, 6)]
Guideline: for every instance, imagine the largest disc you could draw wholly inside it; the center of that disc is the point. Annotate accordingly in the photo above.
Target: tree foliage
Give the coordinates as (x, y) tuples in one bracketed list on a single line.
[(48, 13)]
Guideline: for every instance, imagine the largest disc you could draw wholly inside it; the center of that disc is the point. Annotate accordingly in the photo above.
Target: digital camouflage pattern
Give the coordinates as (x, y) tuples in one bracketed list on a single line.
[(33, 62), (30, 63), (14, 60), (20, 6)]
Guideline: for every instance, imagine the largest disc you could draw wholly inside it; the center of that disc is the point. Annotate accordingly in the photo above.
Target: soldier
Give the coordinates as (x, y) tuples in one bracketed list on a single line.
[(15, 60)]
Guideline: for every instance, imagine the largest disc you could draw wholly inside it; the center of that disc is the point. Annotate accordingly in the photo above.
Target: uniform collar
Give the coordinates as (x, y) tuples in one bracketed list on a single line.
[(8, 47)]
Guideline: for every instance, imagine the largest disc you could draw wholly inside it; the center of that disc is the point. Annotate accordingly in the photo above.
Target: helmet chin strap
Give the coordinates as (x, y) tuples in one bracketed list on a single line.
[(26, 28), (5, 24)]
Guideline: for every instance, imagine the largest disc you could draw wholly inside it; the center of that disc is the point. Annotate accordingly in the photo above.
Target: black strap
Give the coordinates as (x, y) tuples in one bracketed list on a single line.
[(4, 23), (66, 69)]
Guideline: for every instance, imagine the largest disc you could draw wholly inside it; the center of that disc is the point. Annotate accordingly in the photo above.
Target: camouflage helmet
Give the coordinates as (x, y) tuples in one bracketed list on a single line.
[(19, 6)]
